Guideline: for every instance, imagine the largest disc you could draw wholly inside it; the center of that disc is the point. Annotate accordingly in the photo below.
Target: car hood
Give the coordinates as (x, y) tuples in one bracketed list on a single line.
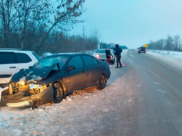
[(33, 74)]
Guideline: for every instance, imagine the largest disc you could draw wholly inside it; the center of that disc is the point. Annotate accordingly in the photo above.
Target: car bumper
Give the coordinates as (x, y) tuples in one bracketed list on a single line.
[(41, 98)]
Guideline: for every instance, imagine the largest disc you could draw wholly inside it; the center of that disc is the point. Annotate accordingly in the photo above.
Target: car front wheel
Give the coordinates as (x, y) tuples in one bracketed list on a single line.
[(58, 93), (101, 82)]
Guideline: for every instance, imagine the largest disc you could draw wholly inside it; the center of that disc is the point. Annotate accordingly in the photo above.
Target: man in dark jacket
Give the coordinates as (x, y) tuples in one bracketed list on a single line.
[(108, 55), (118, 51)]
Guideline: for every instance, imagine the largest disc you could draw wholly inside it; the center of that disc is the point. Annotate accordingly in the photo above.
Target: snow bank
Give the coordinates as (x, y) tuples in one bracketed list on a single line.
[(172, 58), (167, 53)]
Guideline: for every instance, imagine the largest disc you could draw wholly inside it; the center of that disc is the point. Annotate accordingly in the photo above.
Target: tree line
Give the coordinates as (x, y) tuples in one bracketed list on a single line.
[(41, 25), (170, 43)]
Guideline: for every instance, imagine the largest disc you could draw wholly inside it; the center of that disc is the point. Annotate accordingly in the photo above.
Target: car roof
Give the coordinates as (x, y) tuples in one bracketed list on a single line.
[(105, 49), (66, 54), (13, 50)]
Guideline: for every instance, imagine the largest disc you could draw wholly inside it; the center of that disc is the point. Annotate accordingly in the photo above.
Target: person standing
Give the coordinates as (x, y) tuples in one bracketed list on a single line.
[(108, 55), (118, 51)]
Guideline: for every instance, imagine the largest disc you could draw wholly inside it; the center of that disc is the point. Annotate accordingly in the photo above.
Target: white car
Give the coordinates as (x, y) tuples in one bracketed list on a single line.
[(13, 60), (101, 54)]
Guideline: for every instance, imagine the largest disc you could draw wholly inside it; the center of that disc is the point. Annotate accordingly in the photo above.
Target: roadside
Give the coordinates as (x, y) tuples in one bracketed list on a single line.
[(171, 58)]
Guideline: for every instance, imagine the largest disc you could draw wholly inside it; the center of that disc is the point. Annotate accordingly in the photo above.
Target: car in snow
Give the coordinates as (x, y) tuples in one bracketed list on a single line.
[(54, 77), (142, 49), (13, 60), (101, 55)]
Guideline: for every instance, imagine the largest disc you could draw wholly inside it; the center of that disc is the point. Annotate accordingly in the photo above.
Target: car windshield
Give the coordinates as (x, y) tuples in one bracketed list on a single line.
[(102, 51), (46, 62), (36, 56)]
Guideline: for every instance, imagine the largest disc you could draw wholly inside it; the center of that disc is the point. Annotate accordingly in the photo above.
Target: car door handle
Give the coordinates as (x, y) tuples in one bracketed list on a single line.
[(12, 67), (83, 71)]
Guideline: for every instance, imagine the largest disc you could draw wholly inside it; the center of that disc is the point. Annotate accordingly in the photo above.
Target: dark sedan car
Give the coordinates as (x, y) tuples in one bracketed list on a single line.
[(142, 49), (54, 77)]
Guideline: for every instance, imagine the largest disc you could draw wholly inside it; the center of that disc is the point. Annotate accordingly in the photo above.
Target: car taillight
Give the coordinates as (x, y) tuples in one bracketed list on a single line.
[(97, 56), (111, 56), (145, 49), (139, 49)]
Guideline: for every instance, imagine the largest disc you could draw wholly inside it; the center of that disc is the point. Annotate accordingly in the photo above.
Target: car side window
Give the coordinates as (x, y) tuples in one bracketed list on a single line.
[(7, 58), (95, 62), (88, 60), (23, 58), (76, 62)]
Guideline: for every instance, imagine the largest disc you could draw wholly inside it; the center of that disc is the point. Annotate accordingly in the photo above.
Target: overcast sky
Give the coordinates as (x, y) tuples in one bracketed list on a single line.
[(131, 22)]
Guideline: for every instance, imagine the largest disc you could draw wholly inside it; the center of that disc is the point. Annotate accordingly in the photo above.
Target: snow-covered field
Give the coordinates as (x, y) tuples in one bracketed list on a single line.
[(172, 58), (167, 53)]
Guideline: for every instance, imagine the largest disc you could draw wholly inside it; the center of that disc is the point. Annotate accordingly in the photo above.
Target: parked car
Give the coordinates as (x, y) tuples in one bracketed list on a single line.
[(13, 60), (142, 49), (101, 55), (54, 77)]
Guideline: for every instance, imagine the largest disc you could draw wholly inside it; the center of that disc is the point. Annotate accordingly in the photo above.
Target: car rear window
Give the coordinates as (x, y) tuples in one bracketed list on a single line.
[(88, 60), (23, 58), (95, 61), (142, 48), (102, 51), (7, 58)]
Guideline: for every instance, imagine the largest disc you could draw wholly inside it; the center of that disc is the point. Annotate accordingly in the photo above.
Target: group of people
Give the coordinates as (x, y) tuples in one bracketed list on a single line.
[(118, 51)]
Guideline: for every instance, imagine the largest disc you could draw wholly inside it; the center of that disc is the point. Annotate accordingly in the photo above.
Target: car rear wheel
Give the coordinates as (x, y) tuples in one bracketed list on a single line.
[(58, 93), (101, 82)]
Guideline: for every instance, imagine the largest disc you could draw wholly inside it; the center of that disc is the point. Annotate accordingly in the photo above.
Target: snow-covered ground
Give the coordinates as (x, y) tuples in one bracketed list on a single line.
[(167, 53), (172, 58)]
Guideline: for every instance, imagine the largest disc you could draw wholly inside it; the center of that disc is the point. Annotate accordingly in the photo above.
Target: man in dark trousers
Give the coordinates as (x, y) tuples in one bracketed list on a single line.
[(118, 51), (108, 55)]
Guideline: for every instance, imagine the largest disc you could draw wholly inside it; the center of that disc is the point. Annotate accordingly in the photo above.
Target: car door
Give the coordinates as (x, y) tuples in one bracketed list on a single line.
[(91, 69), (8, 66), (76, 77)]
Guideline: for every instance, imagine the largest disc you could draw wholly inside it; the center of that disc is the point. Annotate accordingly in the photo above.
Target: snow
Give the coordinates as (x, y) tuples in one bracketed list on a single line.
[(173, 58), (167, 53), (46, 54), (1, 90)]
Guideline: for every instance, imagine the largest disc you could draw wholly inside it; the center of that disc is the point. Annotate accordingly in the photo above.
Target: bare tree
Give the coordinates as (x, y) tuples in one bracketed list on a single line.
[(66, 13), (177, 42)]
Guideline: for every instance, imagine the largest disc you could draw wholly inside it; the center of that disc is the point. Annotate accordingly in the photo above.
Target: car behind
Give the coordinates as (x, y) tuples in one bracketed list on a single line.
[(142, 49), (101, 55)]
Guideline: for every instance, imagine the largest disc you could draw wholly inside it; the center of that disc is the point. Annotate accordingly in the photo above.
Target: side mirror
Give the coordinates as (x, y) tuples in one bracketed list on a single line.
[(70, 68), (30, 67)]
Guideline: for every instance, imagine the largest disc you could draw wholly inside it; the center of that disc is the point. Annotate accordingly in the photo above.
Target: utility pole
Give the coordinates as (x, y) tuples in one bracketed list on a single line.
[(83, 31)]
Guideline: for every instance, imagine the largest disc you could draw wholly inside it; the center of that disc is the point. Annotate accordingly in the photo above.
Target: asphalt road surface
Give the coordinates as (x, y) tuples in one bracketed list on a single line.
[(156, 101), (142, 99)]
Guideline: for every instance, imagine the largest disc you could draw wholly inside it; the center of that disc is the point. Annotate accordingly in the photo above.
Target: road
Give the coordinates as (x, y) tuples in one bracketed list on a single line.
[(142, 99)]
